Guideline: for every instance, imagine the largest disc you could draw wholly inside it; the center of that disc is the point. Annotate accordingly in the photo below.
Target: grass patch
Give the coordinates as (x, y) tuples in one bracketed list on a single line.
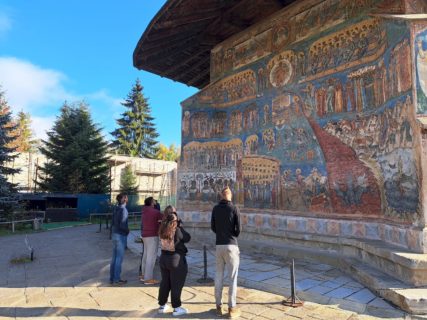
[(57, 225), (134, 226), (28, 228), (20, 260), (19, 229)]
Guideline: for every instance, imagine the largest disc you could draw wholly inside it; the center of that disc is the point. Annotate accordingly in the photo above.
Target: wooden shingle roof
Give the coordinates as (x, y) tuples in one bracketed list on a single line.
[(177, 42)]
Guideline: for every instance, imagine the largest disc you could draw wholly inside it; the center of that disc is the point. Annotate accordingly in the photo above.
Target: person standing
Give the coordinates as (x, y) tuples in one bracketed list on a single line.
[(225, 223), (150, 221), (173, 264), (120, 231)]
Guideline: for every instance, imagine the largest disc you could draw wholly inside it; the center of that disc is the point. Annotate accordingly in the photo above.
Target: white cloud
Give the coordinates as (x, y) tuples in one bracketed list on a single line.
[(103, 96), (29, 87), (41, 125), (5, 24), (42, 91)]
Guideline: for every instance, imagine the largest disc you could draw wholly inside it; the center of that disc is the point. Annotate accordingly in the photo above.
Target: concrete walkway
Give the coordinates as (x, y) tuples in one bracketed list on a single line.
[(69, 280)]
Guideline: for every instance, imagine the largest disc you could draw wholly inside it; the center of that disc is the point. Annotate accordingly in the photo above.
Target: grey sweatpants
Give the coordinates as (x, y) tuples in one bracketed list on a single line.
[(151, 245), (227, 256)]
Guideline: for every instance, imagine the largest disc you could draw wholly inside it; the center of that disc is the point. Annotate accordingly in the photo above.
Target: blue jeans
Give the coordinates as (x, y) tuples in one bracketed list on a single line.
[(119, 243)]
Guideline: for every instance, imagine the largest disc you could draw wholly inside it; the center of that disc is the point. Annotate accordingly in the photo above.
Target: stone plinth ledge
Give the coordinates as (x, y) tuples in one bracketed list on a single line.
[(396, 274)]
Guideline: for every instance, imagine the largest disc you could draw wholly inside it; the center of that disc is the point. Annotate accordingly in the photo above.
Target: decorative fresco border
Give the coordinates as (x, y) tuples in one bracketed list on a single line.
[(410, 238)]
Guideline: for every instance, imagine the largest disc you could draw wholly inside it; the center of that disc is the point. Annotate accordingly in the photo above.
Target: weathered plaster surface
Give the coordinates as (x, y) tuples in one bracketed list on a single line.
[(313, 114)]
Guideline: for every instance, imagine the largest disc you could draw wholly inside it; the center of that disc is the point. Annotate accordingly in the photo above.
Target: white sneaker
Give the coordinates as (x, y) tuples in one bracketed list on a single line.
[(164, 309), (179, 311)]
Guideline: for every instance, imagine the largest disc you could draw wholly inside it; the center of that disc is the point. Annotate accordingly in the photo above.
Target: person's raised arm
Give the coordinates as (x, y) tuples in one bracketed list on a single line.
[(182, 235)]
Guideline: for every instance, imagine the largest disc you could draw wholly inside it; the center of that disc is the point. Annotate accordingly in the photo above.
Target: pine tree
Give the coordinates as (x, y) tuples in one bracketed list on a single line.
[(24, 141), (128, 181), (77, 154), (8, 191), (136, 135)]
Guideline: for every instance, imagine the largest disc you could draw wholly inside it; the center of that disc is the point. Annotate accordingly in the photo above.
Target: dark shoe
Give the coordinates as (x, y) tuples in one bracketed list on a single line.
[(220, 311), (234, 312), (120, 282)]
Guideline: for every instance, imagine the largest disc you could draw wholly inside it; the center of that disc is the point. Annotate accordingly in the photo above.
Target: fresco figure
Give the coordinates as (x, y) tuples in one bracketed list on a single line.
[(183, 190), (368, 82), (338, 96), (352, 193), (321, 101), (193, 190), (330, 97), (261, 81), (186, 123), (350, 98), (269, 139)]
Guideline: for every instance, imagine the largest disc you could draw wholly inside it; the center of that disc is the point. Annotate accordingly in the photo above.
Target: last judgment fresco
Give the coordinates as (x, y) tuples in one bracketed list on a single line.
[(311, 114)]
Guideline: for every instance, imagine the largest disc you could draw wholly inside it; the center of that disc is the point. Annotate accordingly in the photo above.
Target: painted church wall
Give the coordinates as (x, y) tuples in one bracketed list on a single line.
[(310, 115)]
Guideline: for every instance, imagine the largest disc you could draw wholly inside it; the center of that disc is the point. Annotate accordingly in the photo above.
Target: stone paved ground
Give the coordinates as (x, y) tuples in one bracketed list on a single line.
[(69, 280)]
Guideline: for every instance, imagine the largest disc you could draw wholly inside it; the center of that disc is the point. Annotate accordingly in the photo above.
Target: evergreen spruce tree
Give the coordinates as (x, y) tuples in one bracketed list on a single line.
[(136, 135), (128, 181), (77, 154), (8, 191)]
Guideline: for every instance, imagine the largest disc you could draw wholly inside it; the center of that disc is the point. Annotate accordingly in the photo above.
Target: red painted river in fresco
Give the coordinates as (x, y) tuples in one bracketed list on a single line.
[(342, 161)]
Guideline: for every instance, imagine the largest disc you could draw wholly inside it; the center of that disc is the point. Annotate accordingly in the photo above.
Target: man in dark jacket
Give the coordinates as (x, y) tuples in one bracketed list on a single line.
[(225, 222), (120, 231)]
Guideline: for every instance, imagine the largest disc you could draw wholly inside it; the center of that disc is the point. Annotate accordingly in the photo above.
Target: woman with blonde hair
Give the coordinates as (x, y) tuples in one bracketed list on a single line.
[(173, 264)]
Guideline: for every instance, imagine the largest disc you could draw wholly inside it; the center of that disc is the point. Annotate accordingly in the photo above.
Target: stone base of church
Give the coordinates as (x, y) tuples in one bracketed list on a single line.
[(396, 274)]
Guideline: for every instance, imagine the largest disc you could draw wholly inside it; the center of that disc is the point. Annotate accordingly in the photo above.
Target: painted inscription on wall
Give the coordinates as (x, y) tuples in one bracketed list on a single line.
[(324, 125)]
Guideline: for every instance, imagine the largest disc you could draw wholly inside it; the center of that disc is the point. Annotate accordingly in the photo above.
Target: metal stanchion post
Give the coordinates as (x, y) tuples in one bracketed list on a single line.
[(27, 243), (292, 301), (205, 278), (100, 224)]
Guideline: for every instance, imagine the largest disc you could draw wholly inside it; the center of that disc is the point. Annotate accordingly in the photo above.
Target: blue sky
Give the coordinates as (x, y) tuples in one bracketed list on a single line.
[(52, 51)]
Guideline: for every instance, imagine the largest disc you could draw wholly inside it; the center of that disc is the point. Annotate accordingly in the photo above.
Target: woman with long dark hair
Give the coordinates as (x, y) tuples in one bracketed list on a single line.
[(173, 265)]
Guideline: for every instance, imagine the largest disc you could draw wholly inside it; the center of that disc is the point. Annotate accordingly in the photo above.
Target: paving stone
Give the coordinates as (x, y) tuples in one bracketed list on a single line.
[(274, 314), (363, 296), (278, 282), (354, 284), (379, 303), (326, 313), (320, 289), (6, 313), (340, 293), (343, 280), (331, 284), (79, 288), (307, 284), (319, 267), (264, 267), (261, 276)]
